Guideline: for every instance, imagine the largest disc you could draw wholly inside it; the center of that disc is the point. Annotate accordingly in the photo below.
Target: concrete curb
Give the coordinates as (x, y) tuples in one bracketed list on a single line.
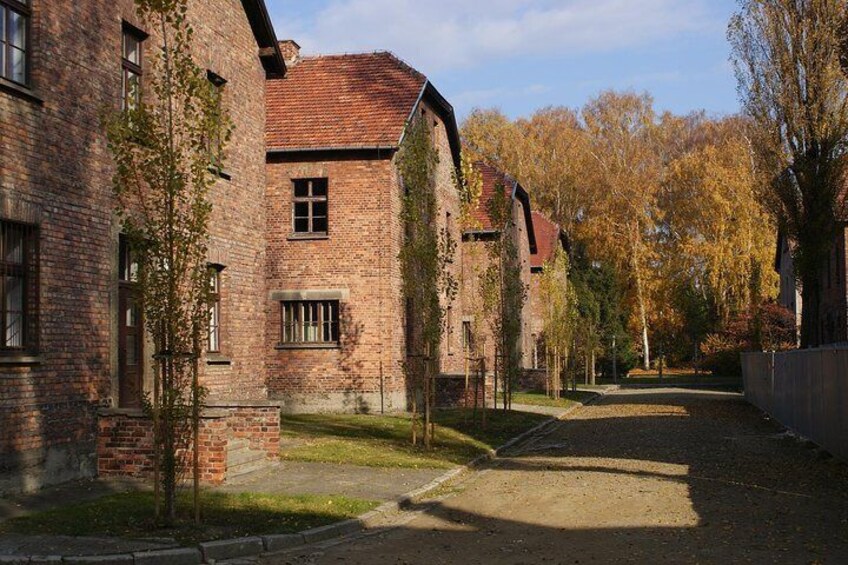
[(222, 550)]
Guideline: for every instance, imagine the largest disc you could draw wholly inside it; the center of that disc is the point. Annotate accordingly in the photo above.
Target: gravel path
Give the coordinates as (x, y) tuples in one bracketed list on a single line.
[(659, 476)]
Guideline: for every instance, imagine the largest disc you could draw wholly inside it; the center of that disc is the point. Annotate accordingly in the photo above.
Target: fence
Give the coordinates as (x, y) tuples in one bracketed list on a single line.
[(805, 390)]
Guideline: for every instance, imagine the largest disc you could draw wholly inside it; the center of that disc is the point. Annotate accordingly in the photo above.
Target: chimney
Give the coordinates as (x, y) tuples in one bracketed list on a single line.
[(291, 51)]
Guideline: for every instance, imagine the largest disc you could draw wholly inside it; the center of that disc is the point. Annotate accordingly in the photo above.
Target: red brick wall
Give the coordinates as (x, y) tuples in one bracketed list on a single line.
[(125, 440), (360, 257), (475, 260), (55, 171)]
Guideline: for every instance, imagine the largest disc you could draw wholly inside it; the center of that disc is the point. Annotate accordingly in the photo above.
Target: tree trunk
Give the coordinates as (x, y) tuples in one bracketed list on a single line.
[(810, 311)]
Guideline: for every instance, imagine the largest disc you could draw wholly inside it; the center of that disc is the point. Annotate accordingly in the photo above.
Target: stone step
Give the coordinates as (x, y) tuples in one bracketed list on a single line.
[(244, 456), (246, 468)]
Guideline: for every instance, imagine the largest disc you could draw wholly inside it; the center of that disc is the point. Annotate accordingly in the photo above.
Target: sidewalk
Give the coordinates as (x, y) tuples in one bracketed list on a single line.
[(386, 485)]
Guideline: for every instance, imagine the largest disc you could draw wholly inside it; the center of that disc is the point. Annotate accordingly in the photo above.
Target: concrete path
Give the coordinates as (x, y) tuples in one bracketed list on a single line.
[(370, 483), (659, 476)]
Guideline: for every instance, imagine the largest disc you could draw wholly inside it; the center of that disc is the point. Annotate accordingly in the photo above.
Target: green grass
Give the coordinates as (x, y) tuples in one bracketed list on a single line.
[(567, 398), (130, 515), (676, 377), (385, 441)]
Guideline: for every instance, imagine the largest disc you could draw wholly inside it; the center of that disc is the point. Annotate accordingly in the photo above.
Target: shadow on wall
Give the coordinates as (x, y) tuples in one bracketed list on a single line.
[(695, 477), (351, 335)]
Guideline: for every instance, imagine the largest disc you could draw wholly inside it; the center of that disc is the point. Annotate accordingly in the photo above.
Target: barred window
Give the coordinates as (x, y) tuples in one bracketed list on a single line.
[(310, 322), (309, 206), (14, 40), (18, 286)]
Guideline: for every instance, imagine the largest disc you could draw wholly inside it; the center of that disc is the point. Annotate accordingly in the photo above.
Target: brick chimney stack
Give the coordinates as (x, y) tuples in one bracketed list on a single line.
[(291, 51)]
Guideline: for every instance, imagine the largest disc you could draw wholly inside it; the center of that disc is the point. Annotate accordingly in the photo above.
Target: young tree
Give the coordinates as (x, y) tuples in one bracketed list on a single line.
[(787, 59), (560, 317), (503, 292), (426, 255), (162, 151)]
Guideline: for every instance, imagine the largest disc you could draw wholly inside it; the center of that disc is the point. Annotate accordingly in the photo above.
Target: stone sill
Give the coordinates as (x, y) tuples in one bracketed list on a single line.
[(22, 360), (20, 91), (308, 237), (289, 346), (218, 359), (218, 172)]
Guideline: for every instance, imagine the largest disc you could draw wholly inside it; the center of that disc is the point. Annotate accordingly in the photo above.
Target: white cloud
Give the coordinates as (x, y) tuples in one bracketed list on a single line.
[(437, 35)]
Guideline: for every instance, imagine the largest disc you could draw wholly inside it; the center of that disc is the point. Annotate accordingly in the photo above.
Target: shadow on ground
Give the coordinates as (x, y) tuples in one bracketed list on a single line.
[(660, 476)]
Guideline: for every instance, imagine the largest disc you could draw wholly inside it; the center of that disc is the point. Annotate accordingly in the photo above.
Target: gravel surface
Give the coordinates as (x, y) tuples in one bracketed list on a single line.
[(659, 476)]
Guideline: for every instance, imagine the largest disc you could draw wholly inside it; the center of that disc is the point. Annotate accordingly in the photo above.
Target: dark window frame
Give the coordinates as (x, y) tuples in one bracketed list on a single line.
[(24, 9), (129, 67), (27, 270), (299, 318), (310, 200), (215, 144)]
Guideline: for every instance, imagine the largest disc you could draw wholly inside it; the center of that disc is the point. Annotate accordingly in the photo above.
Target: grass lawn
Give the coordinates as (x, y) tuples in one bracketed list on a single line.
[(130, 515), (567, 398), (384, 441)]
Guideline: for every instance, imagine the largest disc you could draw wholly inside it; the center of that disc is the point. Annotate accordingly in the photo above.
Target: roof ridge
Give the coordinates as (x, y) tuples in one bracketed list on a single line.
[(400, 61)]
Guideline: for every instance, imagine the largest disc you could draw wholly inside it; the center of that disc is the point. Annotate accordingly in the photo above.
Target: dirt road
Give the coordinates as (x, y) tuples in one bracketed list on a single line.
[(649, 476)]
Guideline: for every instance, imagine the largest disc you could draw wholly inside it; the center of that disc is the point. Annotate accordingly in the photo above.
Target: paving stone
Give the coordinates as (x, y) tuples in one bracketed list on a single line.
[(283, 541), (122, 559), (230, 549), (332, 531), (180, 556)]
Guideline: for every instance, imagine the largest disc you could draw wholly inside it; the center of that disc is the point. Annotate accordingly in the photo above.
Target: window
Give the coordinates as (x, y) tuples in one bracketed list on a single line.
[(18, 286), (309, 210), (215, 143), (315, 322), (214, 342), (131, 67), (14, 40), (467, 337)]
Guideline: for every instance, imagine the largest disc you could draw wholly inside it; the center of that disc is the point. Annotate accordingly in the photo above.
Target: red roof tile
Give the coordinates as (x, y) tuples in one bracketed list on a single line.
[(547, 240), (342, 101), (492, 179)]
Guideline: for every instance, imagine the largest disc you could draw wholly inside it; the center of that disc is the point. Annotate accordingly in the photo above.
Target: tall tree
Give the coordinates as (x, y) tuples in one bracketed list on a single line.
[(624, 174), (787, 59), (161, 145)]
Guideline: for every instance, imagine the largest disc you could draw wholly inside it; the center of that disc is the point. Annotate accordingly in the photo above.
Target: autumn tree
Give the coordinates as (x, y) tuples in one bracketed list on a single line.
[(787, 59), (624, 175), (161, 146), (715, 226), (559, 317)]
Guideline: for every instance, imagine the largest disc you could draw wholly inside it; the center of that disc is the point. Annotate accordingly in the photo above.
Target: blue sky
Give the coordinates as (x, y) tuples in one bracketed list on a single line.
[(519, 55)]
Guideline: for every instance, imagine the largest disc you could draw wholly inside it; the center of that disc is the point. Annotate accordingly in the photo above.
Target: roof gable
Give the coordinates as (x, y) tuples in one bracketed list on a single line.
[(342, 102), (547, 239), (494, 180)]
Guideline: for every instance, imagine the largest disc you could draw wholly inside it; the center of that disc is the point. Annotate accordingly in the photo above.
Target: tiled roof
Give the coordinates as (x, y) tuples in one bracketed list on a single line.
[(492, 179), (547, 240), (341, 102)]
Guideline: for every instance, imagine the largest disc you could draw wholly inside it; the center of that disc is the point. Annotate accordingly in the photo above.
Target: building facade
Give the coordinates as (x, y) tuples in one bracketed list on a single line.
[(475, 260), (73, 346), (336, 328)]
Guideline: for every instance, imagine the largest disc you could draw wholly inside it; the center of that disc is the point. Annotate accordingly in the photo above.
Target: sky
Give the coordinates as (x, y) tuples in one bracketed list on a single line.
[(520, 55)]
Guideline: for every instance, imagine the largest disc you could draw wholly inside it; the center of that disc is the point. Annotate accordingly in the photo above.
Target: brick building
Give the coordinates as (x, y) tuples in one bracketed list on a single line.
[(71, 346), (833, 309), (475, 260), (549, 237), (335, 335)]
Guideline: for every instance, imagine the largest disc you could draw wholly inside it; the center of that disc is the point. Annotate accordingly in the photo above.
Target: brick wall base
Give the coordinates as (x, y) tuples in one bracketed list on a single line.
[(452, 393), (125, 439)]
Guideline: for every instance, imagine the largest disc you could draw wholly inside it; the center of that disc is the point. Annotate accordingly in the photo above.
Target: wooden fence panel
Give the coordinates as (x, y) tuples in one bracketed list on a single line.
[(806, 391)]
